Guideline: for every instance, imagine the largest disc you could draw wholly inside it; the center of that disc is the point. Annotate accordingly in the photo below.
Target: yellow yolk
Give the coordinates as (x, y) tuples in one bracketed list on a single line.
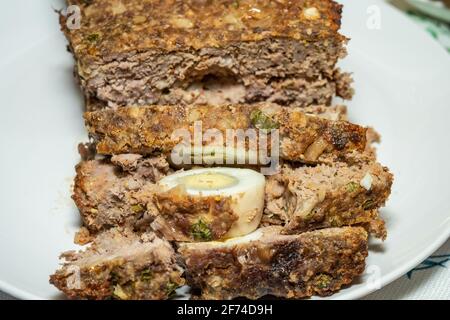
[(208, 181)]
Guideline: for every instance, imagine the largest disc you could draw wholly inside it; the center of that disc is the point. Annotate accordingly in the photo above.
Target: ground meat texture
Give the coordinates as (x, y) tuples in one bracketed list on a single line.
[(308, 198), (120, 264), (189, 218), (286, 266), (149, 130), (122, 192), (214, 90), (298, 198), (113, 195), (157, 52)]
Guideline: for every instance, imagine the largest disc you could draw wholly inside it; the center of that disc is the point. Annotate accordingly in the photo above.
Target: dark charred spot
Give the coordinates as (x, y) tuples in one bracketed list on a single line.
[(286, 258)]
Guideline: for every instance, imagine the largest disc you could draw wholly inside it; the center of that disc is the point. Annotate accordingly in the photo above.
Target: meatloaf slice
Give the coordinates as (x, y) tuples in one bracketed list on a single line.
[(139, 52), (122, 192), (307, 198), (113, 192), (267, 262), (213, 90), (300, 199), (120, 265), (156, 129)]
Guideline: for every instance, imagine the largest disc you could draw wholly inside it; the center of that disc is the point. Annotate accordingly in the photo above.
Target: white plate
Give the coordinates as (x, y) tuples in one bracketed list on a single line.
[(402, 80)]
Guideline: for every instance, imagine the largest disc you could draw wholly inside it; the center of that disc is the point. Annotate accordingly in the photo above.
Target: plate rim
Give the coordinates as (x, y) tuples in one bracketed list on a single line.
[(356, 293)]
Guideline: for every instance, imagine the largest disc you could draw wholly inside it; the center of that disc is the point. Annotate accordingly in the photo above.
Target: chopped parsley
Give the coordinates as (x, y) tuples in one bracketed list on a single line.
[(262, 121), (352, 187), (146, 275), (369, 204), (93, 37), (201, 231), (170, 288)]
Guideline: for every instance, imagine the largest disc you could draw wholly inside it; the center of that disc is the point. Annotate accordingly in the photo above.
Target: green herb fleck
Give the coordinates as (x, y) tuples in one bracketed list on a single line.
[(94, 37), (147, 275), (262, 121), (352, 187), (323, 281), (201, 231), (236, 4), (369, 204), (170, 288)]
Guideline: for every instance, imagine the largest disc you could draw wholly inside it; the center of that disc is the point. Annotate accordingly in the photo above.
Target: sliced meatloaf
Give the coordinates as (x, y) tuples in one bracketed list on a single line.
[(213, 90), (157, 129), (114, 192), (299, 199), (308, 198), (120, 264), (267, 262), (141, 52)]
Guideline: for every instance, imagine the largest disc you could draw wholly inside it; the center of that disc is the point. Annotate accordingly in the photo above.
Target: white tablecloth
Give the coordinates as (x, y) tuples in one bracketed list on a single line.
[(429, 280)]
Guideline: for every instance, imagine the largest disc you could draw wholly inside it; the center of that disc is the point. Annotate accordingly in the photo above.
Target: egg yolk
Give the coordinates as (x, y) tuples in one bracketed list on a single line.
[(208, 181)]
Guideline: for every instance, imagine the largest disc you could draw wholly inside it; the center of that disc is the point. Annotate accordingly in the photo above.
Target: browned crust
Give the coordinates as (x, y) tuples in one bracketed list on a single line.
[(376, 226), (148, 270), (148, 130), (174, 25), (312, 263)]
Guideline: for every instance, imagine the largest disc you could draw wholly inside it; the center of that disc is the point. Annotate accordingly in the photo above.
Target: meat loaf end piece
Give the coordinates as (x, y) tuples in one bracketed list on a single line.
[(157, 52), (120, 265), (270, 263), (307, 198)]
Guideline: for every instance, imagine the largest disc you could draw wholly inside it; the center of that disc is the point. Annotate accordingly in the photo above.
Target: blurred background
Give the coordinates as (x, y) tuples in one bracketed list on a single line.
[(431, 15)]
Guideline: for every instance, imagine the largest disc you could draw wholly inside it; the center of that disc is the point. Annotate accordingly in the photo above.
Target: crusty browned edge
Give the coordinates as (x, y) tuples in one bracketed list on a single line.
[(79, 195), (148, 130), (145, 24), (312, 263), (141, 279), (113, 51), (102, 288), (376, 226)]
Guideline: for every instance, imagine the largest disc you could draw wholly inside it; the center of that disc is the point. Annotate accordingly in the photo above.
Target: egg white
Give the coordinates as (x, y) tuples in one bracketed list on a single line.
[(246, 191)]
